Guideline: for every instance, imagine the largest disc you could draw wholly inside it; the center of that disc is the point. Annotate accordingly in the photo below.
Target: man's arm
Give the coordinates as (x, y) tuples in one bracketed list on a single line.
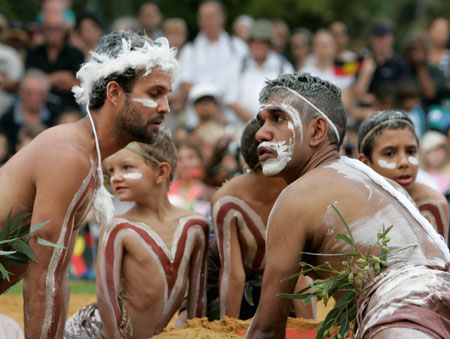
[(109, 265), (62, 182), (286, 236)]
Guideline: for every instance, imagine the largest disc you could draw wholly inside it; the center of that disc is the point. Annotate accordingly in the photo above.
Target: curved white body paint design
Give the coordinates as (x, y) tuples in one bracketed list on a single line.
[(401, 286), (168, 300), (146, 102), (244, 231), (401, 197), (387, 164), (133, 176), (413, 160), (429, 216), (274, 166), (59, 254)]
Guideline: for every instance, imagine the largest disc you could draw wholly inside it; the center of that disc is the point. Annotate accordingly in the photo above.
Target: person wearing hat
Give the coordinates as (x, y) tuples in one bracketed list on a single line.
[(11, 70), (249, 75), (382, 66)]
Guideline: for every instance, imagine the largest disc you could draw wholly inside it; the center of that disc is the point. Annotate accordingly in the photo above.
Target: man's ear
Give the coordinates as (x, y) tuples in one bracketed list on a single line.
[(319, 131), (114, 92), (163, 173), (364, 159)]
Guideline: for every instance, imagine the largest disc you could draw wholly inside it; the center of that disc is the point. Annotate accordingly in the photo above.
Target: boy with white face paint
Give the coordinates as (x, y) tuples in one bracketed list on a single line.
[(302, 219), (388, 144), (58, 176), (147, 255)]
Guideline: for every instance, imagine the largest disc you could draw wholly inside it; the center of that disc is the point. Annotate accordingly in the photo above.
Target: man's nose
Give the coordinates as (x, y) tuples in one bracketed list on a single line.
[(163, 106), (263, 134)]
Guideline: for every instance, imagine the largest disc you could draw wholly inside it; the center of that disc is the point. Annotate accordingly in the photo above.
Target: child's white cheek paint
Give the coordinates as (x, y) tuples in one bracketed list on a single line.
[(146, 102), (413, 160), (133, 176), (388, 165)]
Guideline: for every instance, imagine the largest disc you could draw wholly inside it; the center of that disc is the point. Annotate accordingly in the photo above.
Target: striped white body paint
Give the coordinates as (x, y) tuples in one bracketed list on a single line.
[(250, 227), (146, 102), (51, 323), (433, 211), (172, 264), (133, 176), (387, 164)]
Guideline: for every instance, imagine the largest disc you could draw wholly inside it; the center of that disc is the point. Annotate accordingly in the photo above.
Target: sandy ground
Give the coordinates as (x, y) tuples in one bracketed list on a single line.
[(12, 305)]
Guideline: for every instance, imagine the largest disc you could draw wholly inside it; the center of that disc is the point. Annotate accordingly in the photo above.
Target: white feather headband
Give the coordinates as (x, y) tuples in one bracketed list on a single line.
[(101, 65)]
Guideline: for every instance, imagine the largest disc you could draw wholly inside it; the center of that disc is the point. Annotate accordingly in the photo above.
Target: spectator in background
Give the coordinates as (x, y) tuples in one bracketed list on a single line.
[(439, 34), (17, 36), (150, 18), (58, 59), (321, 63), (407, 99), (87, 34), (435, 158), (430, 79), (300, 47), (11, 70), (209, 57), (126, 23), (31, 107), (176, 31), (27, 133), (339, 30), (68, 117), (250, 74), (382, 67), (241, 27), (187, 190), (280, 36)]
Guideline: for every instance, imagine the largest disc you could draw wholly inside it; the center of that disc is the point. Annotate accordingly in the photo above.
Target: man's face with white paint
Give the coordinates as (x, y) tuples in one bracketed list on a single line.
[(280, 133), (395, 156), (144, 108)]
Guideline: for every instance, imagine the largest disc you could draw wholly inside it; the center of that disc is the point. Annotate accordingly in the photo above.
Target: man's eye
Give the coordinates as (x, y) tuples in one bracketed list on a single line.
[(278, 117), (127, 167)]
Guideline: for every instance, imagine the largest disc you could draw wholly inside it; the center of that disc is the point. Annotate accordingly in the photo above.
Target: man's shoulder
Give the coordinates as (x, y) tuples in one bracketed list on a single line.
[(237, 187)]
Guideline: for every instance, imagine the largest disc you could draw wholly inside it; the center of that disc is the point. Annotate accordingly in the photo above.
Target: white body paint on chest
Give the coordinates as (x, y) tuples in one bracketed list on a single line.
[(146, 102)]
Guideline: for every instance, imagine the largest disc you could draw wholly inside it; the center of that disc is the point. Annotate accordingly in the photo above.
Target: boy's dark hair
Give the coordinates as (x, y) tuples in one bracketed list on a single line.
[(249, 144), (378, 122)]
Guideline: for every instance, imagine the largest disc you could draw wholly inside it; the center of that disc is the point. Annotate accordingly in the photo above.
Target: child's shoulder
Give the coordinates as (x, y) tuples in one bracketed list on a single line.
[(185, 215), (421, 193)]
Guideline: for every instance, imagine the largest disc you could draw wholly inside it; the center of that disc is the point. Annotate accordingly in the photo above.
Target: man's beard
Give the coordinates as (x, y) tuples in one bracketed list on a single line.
[(130, 126)]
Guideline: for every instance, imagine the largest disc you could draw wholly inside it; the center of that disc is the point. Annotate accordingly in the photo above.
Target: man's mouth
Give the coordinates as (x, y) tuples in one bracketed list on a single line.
[(265, 153), (156, 121)]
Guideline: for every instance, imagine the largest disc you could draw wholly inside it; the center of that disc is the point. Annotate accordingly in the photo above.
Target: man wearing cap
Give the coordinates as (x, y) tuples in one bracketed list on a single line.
[(249, 75), (58, 176), (382, 66)]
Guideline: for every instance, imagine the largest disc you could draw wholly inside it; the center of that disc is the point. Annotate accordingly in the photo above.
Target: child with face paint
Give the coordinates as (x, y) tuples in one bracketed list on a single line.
[(387, 142), (146, 256)]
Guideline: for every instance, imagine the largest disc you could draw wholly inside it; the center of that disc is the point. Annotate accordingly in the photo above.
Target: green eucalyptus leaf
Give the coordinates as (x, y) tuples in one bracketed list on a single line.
[(17, 221), (23, 247), (48, 243), (39, 226), (4, 272)]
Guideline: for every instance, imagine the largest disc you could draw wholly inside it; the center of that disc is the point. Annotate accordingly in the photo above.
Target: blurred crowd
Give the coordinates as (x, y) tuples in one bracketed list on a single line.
[(221, 74)]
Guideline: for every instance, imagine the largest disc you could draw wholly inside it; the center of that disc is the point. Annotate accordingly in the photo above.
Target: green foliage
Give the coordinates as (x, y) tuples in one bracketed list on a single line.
[(14, 249), (348, 277)]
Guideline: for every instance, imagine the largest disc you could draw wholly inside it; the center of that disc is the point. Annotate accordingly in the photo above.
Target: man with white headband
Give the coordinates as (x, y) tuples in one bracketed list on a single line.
[(302, 124), (58, 176)]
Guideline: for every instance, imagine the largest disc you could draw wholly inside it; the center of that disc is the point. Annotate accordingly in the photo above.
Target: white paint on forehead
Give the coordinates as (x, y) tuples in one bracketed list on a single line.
[(146, 102), (387, 164), (133, 176), (413, 160), (274, 166)]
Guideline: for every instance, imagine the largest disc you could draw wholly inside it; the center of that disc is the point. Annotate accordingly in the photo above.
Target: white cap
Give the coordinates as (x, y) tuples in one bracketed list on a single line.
[(204, 90)]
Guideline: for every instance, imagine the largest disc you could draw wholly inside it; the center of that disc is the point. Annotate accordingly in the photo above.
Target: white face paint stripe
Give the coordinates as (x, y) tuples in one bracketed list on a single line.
[(133, 176), (333, 127), (169, 297), (387, 164), (223, 235), (146, 102), (59, 254), (274, 166), (413, 160)]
